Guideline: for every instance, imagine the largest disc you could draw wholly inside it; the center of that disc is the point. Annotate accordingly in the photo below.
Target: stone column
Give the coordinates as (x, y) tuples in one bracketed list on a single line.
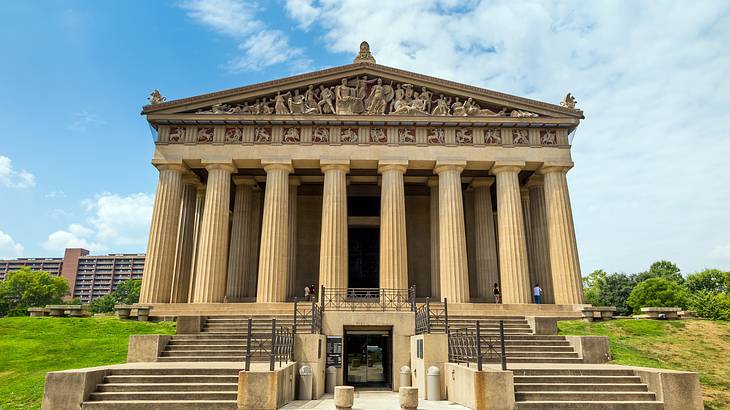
[(333, 243), (185, 241), (433, 184), (487, 271), (199, 205), (239, 251), (537, 246), (160, 259), (564, 263), (525, 198), (393, 246), (292, 265), (254, 244), (272, 280), (212, 259), (511, 229), (453, 266)]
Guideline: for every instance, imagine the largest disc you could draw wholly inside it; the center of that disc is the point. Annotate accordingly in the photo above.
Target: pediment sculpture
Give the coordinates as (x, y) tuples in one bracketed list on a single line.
[(363, 96)]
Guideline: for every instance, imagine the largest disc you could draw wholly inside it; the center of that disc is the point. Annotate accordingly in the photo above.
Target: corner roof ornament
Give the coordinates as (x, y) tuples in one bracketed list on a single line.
[(156, 98), (568, 102), (364, 56)]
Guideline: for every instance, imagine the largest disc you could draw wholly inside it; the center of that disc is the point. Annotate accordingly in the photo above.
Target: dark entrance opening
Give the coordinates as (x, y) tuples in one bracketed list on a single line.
[(368, 358), (363, 257)]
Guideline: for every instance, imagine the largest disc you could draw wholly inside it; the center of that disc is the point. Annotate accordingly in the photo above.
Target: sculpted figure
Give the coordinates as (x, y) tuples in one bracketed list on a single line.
[(378, 135), (221, 109), (256, 109), (325, 100), (520, 113), (280, 103), (442, 107), (345, 99), (568, 102), (520, 137), (321, 135), (361, 86), (400, 95), (436, 136), (265, 107), (310, 100), (296, 103), (377, 99), (427, 96), (549, 137), (492, 137), (262, 135), (234, 135), (177, 134), (348, 135), (205, 134), (157, 98), (463, 136), (406, 136), (408, 92), (458, 108), (291, 135)]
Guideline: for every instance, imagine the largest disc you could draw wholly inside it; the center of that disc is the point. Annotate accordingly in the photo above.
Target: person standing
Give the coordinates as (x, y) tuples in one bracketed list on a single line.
[(497, 294), (307, 293), (537, 293)]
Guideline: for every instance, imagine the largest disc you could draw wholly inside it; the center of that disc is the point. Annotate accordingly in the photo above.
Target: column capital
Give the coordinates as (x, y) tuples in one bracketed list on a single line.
[(536, 180), (226, 165), (166, 165), (432, 182), (557, 166), (334, 164), (449, 165), (507, 166), (485, 182), (240, 180), (392, 165), (281, 164), (191, 179)]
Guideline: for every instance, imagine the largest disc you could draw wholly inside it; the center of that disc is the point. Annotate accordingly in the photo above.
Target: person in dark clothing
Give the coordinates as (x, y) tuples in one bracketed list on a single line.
[(497, 294)]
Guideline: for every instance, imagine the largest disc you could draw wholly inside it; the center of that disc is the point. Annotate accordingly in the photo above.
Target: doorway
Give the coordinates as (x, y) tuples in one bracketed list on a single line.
[(368, 358), (363, 257)]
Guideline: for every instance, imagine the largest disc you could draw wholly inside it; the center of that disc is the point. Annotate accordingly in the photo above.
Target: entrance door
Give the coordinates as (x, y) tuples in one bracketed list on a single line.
[(368, 359), (363, 254)]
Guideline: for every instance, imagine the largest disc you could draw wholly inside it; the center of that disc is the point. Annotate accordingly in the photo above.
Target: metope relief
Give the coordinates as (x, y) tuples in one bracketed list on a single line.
[(348, 135), (407, 135), (205, 134), (262, 135), (233, 135), (436, 136), (548, 137), (321, 135), (177, 134), (464, 136), (292, 136), (520, 137), (378, 136), (493, 136)]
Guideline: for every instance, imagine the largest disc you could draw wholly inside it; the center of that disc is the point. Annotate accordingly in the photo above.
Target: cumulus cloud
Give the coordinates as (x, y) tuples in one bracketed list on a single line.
[(9, 248), (303, 11), (259, 46), (12, 178), (113, 222)]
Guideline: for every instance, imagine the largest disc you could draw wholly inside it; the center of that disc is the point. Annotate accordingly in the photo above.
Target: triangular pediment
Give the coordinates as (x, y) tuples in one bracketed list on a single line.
[(362, 89)]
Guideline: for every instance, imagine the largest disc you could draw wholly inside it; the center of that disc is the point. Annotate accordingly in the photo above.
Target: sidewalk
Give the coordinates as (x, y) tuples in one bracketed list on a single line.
[(372, 400)]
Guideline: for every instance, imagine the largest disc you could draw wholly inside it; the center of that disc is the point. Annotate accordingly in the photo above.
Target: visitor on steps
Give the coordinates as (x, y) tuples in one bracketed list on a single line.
[(307, 293), (537, 293), (497, 294)]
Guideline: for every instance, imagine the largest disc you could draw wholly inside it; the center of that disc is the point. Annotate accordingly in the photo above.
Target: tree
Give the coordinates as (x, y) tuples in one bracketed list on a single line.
[(710, 280), (662, 269), (26, 288), (592, 285), (660, 292), (615, 290), (102, 304), (711, 305), (127, 292)]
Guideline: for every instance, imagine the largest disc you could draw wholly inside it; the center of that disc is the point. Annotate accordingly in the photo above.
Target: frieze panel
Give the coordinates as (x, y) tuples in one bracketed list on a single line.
[(548, 137), (464, 136), (321, 135), (520, 137), (205, 134), (348, 135), (262, 135), (493, 136), (378, 135), (292, 136), (177, 134), (233, 135), (406, 135), (436, 136)]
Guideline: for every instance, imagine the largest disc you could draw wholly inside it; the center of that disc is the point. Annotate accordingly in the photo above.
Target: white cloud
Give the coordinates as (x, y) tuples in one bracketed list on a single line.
[(11, 178), (113, 222), (9, 249), (303, 11), (260, 46), (83, 120), (55, 194)]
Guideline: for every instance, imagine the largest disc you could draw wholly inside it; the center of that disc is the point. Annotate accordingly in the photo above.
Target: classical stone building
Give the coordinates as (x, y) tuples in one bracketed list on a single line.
[(361, 176)]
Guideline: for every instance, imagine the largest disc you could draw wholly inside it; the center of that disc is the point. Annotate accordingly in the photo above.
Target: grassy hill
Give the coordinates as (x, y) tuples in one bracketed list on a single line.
[(32, 346), (701, 346)]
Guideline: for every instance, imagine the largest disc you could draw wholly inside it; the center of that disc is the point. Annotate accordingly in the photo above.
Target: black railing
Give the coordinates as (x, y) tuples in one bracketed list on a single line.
[(431, 316), (368, 299), (307, 314), (471, 346), (276, 345)]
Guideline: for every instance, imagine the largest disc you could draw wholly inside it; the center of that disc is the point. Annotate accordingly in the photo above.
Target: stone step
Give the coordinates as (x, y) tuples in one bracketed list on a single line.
[(585, 396), (554, 379), (553, 343), (192, 378), (207, 342), (592, 405), (166, 387), (161, 405), (178, 371), (574, 387), (201, 359), (573, 372), (163, 395), (202, 352), (537, 348), (206, 346), (555, 360), (521, 354)]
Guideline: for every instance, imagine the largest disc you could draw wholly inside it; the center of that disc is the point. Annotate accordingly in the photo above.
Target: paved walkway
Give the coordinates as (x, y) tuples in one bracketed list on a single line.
[(372, 400)]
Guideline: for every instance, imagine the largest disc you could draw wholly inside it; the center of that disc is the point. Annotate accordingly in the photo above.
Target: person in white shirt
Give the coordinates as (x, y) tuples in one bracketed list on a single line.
[(537, 293)]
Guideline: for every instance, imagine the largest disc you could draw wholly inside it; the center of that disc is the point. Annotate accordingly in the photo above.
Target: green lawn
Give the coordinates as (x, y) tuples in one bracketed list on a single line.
[(701, 346), (30, 347)]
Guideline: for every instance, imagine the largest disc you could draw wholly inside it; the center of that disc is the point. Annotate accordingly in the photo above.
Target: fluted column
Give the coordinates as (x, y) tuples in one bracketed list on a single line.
[(185, 241), (564, 262), (239, 251), (199, 205), (537, 246), (212, 259), (511, 230), (525, 198), (292, 264), (453, 266), (393, 246), (487, 271), (272, 280), (333, 242), (433, 184), (254, 243)]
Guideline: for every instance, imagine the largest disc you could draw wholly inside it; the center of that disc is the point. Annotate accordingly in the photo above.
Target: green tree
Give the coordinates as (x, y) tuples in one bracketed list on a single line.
[(662, 269), (592, 285), (127, 292), (615, 290), (711, 305), (710, 280), (660, 292), (26, 288), (102, 304)]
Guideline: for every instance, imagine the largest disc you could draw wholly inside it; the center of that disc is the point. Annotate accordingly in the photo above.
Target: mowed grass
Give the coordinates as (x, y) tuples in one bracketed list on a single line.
[(701, 346), (32, 346)]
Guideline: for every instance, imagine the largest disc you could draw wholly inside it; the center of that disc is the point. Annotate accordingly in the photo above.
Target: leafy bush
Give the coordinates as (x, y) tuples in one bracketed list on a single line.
[(709, 280), (103, 304), (127, 292), (25, 288), (660, 292), (662, 269), (711, 305)]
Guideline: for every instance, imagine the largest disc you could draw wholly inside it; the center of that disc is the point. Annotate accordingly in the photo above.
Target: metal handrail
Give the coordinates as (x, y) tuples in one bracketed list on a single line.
[(428, 315), (307, 312), (368, 299), (277, 345), (467, 346)]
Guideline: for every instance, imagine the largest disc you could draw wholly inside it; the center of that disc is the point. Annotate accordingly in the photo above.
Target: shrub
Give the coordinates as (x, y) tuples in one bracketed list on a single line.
[(660, 292), (710, 280), (102, 304), (26, 288), (127, 292), (711, 305)]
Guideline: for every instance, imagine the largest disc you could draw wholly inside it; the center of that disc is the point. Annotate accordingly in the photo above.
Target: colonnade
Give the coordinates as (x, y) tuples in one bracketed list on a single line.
[(189, 258)]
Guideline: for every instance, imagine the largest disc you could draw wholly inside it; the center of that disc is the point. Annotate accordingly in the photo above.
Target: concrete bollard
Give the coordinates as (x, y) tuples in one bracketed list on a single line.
[(433, 384), (305, 383), (408, 398), (405, 376), (330, 379), (344, 397)]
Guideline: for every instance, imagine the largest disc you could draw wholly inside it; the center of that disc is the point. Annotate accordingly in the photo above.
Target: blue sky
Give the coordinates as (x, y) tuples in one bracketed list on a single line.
[(652, 77)]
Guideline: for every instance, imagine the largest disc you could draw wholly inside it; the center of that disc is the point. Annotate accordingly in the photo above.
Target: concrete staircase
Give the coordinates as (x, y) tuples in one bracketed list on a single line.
[(574, 388), (166, 388)]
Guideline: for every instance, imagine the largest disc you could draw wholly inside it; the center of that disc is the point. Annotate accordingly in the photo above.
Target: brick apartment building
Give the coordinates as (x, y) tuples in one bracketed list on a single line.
[(88, 276)]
